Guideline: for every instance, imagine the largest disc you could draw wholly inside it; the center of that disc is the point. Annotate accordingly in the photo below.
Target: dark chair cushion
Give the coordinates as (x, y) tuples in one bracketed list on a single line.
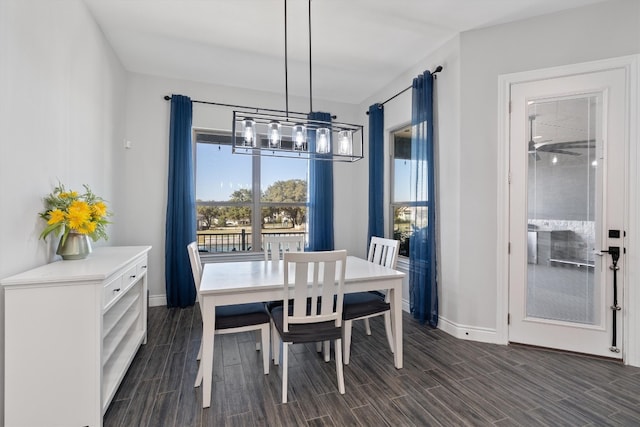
[(237, 315), (360, 304), (276, 303), (308, 332)]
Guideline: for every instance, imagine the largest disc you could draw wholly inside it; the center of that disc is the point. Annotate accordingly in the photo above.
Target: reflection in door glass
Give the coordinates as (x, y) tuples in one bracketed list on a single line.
[(563, 180)]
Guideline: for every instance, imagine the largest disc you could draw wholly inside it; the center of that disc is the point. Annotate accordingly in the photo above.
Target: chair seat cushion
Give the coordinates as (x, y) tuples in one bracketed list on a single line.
[(308, 332), (361, 304), (238, 315)]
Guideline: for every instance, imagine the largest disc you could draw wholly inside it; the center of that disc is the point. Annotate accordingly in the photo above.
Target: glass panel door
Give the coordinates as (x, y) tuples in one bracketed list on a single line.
[(567, 180), (562, 181)]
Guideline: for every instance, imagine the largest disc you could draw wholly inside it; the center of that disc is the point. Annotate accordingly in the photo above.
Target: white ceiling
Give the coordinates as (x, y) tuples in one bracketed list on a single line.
[(358, 46)]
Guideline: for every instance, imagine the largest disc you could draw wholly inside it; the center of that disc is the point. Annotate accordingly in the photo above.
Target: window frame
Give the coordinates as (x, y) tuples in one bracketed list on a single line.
[(393, 204), (256, 204)]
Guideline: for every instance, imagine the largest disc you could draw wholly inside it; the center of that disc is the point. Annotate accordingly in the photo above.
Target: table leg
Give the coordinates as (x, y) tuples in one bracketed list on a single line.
[(396, 306), (208, 333)]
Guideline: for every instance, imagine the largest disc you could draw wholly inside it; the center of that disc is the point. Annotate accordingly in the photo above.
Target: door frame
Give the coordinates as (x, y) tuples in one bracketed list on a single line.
[(631, 275)]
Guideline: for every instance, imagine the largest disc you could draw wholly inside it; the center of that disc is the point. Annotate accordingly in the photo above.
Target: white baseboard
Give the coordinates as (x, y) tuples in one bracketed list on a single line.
[(157, 300), (465, 332)]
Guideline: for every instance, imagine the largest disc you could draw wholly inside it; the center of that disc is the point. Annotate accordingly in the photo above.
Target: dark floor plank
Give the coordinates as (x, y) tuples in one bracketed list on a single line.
[(157, 362), (164, 410), (244, 419), (325, 421), (444, 382), (470, 415), (367, 416), (338, 409), (140, 409), (384, 406), (459, 389), (189, 412), (415, 412), (116, 413), (173, 374), (626, 418)]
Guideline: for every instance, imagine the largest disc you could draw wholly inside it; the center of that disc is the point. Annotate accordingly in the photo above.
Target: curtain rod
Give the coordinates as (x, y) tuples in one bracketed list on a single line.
[(437, 70), (168, 98)]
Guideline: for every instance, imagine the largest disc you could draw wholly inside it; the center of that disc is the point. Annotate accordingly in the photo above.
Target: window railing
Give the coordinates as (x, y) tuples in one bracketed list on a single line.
[(233, 242)]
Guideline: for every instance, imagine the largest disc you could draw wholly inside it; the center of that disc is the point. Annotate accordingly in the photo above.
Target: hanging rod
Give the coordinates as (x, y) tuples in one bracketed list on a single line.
[(168, 98), (437, 70)]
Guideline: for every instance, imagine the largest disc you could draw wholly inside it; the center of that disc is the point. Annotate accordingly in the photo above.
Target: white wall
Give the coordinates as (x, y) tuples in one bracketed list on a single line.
[(60, 119), (594, 32), (145, 165), (397, 113), (466, 133)]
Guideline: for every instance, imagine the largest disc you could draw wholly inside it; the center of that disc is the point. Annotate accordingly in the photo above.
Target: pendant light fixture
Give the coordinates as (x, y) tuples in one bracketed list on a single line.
[(286, 134)]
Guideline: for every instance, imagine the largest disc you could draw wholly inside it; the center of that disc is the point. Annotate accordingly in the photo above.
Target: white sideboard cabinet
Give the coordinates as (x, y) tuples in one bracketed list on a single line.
[(72, 329)]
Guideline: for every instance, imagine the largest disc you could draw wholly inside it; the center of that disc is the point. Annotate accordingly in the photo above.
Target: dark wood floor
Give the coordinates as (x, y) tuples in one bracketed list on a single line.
[(445, 381)]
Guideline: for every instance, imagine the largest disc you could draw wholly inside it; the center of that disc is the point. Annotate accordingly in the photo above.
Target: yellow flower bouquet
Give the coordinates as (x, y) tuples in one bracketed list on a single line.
[(70, 211)]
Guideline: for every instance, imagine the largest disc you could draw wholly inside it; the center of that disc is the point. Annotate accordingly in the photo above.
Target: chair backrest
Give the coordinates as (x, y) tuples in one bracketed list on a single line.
[(196, 264), (275, 245), (318, 281), (384, 251)]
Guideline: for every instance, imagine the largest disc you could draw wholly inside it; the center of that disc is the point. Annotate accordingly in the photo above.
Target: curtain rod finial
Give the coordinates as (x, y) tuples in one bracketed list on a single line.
[(167, 98)]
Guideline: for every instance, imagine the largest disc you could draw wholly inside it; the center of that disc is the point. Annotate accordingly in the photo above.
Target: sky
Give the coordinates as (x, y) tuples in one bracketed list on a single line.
[(402, 180), (219, 172)]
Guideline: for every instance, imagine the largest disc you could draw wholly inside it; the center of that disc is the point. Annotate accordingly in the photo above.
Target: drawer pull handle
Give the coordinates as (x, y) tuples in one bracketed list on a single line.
[(116, 290), (144, 266), (132, 277)]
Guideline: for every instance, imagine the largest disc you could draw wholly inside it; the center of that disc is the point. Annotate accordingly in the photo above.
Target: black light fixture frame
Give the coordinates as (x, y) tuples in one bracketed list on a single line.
[(288, 119)]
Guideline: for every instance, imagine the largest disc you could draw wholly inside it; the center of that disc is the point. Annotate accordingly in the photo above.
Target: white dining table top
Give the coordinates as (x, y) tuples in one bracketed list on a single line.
[(249, 275)]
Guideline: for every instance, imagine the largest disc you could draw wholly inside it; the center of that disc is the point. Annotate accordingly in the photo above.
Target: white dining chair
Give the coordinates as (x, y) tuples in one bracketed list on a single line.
[(231, 319), (275, 246), (364, 305), (320, 277)]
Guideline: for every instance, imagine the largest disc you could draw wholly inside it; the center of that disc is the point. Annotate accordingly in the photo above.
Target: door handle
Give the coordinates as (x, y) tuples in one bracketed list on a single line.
[(614, 251)]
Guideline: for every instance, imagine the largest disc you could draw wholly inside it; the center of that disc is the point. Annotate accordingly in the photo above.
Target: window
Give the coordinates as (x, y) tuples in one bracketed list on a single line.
[(241, 197), (402, 212)]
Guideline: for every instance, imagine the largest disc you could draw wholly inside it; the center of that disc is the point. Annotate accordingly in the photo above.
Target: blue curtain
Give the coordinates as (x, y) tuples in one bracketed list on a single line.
[(181, 218), (423, 287), (376, 171), (320, 193)]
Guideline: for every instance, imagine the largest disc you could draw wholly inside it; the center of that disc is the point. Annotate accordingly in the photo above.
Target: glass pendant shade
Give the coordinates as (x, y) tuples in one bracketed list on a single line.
[(249, 131), (323, 140), (294, 135), (299, 136), (345, 142), (274, 134)]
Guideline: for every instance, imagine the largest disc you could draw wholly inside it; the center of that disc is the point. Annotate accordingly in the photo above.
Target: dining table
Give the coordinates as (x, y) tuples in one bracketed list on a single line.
[(225, 283)]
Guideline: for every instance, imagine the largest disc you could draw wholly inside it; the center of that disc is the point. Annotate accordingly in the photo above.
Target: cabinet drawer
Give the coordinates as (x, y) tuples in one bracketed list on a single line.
[(112, 290), (141, 266), (129, 277)]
